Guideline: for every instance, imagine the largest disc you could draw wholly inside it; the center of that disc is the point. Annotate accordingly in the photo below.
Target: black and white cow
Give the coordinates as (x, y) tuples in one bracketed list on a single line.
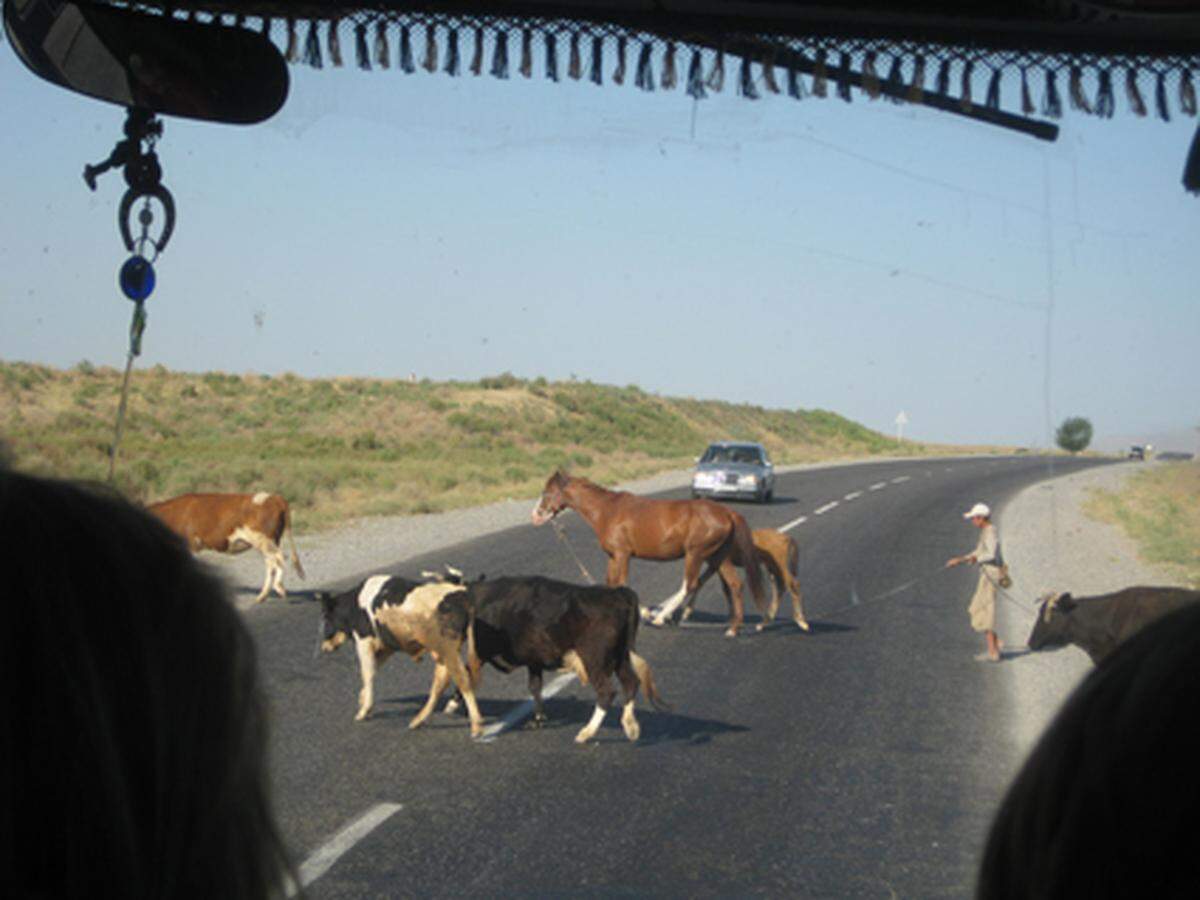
[(538, 623), (1099, 624), (387, 613)]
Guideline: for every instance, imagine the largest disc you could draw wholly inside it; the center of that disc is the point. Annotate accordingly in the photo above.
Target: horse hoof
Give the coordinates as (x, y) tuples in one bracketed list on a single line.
[(802, 625), (731, 632), (538, 721)]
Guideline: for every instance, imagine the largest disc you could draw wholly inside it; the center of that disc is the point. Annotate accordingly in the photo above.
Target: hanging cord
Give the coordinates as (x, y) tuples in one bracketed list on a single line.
[(135, 154), (1020, 604), (856, 601), (561, 532), (136, 328)]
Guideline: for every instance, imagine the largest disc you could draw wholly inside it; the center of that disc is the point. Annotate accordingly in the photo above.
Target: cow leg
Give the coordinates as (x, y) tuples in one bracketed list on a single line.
[(462, 681), (367, 664), (272, 559), (535, 689), (441, 678), (602, 684), (474, 673), (277, 562), (266, 588), (629, 688)]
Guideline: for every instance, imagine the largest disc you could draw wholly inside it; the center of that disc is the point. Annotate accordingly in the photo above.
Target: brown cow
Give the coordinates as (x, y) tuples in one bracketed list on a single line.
[(232, 523), (779, 553)]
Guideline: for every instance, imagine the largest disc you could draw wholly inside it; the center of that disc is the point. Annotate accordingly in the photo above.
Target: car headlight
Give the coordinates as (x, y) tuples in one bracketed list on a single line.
[(702, 479), (748, 479)]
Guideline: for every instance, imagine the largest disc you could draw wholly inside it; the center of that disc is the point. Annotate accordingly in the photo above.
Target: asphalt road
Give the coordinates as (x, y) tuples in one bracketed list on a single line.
[(863, 759)]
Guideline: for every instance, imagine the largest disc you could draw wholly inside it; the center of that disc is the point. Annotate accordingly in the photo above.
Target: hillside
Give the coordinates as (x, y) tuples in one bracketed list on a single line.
[(348, 447)]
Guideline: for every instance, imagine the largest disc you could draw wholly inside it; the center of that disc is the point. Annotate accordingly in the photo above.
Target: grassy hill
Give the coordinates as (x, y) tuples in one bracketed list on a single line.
[(347, 447)]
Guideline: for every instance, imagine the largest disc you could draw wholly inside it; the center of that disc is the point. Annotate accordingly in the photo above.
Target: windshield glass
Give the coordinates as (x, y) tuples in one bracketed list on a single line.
[(432, 291)]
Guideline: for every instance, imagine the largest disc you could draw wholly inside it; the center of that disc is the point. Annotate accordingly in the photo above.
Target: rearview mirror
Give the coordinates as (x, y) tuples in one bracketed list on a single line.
[(210, 72)]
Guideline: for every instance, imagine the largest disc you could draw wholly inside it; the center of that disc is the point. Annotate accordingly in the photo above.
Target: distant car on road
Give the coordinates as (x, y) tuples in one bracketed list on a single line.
[(1136, 452), (734, 469)]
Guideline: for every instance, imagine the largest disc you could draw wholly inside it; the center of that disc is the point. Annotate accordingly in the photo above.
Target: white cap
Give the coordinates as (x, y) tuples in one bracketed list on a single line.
[(979, 509)]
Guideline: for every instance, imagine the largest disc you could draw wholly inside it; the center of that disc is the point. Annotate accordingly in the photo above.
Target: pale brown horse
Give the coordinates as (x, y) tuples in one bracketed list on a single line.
[(779, 553), (627, 525)]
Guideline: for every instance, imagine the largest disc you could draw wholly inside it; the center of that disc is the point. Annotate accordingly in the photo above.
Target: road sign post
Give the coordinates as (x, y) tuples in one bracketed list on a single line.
[(901, 421)]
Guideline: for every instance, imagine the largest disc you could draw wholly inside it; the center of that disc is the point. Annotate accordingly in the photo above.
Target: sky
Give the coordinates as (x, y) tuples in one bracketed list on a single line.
[(865, 258)]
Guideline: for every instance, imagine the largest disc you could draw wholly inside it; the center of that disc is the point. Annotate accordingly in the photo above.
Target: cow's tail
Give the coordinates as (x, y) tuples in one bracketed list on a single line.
[(743, 541), (645, 677), (287, 527), (641, 668), (472, 656)]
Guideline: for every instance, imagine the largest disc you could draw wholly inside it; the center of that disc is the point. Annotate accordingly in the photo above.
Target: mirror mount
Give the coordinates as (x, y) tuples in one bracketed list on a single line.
[(143, 176)]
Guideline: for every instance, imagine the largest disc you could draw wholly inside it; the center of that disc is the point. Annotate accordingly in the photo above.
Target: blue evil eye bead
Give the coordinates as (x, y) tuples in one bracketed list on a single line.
[(137, 278)]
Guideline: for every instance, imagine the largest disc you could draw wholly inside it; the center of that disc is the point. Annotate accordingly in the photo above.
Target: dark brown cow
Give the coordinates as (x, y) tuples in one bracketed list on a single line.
[(1099, 624), (538, 624), (232, 523)]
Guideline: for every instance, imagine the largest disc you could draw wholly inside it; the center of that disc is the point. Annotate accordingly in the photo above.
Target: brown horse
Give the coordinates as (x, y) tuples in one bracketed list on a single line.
[(700, 531), (779, 553)]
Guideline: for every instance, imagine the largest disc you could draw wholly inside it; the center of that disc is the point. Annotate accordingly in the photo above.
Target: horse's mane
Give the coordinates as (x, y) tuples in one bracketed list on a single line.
[(586, 482)]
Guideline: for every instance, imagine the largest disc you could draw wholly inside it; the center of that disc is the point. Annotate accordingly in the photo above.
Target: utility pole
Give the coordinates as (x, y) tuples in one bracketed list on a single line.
[(901, 421)]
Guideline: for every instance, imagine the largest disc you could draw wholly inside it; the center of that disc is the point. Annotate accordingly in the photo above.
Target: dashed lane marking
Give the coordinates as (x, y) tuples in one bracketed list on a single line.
[(821, 510), (327, 854), (792, 524), (853, 496), (900, 480), (878, 486)]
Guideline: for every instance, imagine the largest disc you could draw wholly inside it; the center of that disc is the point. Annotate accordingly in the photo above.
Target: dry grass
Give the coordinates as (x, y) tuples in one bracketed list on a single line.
[(345, 448), (1160, 509)]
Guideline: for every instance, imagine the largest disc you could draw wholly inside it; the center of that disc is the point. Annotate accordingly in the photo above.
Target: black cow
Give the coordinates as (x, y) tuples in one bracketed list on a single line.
[(1099, 624), (539, 623)]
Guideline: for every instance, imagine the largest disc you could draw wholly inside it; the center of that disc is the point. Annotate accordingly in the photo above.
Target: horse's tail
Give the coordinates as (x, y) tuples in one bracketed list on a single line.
[(743, 542), (793, 557)]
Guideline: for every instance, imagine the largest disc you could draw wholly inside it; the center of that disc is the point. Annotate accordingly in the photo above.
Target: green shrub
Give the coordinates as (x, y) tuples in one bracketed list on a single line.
[(500, 382)]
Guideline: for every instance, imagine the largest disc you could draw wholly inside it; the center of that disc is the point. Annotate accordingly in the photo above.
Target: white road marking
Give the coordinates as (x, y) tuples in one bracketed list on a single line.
[(853, 496), (323, 859), (879, 486), (900, 480), (525, 709), (792, 524), (820, 511)]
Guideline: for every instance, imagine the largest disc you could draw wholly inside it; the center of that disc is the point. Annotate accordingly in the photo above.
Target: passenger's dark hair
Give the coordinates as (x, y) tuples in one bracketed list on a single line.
[(132, 727), (1106, 804)]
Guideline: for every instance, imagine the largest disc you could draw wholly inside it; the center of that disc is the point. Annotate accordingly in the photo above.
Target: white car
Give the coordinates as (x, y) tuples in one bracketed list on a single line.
[(734, 469)]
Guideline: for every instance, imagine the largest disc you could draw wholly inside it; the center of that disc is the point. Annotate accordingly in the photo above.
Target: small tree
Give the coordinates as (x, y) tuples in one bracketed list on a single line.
[(1074, 434)]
